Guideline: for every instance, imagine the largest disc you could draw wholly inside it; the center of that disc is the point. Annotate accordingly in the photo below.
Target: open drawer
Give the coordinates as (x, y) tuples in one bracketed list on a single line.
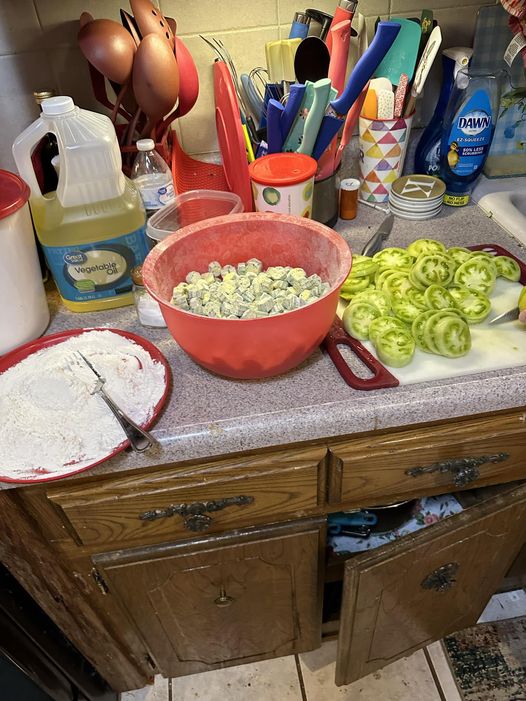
[(416, 590)]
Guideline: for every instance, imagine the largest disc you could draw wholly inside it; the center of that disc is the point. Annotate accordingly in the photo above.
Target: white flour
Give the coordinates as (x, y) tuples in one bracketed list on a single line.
[(49, 421)]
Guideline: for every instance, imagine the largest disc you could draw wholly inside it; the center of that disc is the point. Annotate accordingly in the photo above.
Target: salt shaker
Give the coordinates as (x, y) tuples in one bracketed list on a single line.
[(148, 310)]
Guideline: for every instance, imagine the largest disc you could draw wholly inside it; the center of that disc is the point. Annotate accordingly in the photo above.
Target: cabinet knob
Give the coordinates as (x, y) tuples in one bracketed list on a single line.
[(464, 470), (223, 599), (198, 523)]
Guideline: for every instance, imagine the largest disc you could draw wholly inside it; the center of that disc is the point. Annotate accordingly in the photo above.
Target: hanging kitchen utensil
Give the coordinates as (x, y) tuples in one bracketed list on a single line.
[(188, 86), (341, 38), (155, 81), (230, 135), (344, 11), (109, 48), (151, 20), (311, 61), (85, 17), (401, 58), (423, 68), (254, 101), (367, 64), (129, 23)]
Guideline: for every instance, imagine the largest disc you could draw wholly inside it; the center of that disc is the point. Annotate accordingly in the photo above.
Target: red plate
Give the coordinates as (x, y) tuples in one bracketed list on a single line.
[(15, 356)]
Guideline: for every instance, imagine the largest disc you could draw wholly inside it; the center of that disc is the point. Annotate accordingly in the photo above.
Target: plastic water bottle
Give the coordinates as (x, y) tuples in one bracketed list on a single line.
[(152, 177)]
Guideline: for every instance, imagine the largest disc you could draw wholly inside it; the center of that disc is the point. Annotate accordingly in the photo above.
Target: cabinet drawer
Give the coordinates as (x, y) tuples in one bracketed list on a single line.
[(177, 502), (428, 460)]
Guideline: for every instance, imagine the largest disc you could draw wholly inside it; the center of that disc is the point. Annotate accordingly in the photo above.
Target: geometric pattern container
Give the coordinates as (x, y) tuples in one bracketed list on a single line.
[(383, 145)]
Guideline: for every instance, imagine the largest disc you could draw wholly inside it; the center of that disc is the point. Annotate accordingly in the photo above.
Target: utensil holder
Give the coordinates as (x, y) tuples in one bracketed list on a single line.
[(383, 146), (325, 199)]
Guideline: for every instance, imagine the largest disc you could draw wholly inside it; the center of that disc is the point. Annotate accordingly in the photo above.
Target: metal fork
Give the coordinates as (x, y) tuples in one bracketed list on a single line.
[(140, 440)]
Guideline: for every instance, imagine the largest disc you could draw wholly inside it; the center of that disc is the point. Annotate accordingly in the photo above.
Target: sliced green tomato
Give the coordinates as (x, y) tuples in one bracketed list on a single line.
[(382, 324), (393, 258), (434, 269), (417, 329), (474, 306), (460, 255), (357, 318), (395, 347), (438, 297), (452, 337), (508, 268), (378, 299), (420, 246), (416, 297), (351, 295), (354, 285), (415, 281), (483, 254), (405, 310), (382, 276), (395, 285), (430, 326), (478, 273), (363, 266)]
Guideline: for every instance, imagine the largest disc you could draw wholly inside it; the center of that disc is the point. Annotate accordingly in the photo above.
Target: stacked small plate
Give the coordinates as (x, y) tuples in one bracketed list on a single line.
[(416, 197)]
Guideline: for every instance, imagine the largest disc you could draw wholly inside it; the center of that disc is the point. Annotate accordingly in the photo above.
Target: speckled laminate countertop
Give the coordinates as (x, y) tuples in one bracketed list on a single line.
[(208, 416)]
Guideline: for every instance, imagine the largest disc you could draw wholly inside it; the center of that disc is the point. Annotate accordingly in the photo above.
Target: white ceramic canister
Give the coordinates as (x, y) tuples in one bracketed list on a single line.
[(283, 183), (24, 311)]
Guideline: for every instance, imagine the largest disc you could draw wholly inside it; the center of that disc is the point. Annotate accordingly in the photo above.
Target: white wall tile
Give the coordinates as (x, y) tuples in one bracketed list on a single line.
[(20, 76), (211, 17), (72, 78), (248, 50), (415, 6), (60, 20), (19, 26)]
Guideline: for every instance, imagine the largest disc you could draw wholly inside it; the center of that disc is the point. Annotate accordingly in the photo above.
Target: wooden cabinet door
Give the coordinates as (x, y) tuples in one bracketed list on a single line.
[(417, 590), (225, 600)]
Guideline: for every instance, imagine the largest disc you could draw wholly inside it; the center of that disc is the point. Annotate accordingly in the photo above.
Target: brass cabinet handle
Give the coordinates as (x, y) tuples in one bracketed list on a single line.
[(441, 579), (194, 514), (223, 599), (464, 470)]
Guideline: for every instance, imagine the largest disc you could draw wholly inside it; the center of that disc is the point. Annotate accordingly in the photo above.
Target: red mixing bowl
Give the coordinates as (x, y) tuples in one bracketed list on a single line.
[(249, 348)]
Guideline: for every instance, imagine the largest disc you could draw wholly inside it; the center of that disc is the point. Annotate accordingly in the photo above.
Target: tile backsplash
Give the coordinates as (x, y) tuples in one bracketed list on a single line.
[(38, 50)]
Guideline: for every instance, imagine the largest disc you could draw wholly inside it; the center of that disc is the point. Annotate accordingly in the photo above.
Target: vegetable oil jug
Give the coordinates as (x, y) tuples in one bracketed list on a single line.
[(469, 125), (92, 229)]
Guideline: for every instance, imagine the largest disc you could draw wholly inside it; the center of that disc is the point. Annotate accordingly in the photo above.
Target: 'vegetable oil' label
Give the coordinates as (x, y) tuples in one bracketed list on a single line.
[(470, 137), (97, 270)]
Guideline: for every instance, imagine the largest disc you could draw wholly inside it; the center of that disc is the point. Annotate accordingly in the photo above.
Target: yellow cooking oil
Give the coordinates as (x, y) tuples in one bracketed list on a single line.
[(93, 228), (92, 248)]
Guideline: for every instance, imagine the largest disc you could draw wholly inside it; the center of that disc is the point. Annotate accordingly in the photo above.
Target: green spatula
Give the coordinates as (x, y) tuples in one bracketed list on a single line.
[(401, 57)]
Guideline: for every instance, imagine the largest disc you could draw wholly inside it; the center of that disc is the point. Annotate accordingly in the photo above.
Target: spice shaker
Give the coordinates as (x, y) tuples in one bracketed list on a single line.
[(148, 310)]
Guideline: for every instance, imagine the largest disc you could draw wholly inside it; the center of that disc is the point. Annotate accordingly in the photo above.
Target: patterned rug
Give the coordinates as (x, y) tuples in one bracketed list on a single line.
[(489, 660)]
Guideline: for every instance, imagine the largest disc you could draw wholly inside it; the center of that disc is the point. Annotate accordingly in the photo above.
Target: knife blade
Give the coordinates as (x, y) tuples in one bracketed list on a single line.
[(510, 315), (375, 242)]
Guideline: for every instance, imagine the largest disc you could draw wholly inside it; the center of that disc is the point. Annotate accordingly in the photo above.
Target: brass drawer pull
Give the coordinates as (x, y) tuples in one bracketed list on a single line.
[(194, 514), (223, 599), (465, 470), (442, 579)]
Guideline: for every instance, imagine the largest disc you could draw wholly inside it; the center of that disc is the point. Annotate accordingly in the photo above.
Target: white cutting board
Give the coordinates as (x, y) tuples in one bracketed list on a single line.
[(493, 347)]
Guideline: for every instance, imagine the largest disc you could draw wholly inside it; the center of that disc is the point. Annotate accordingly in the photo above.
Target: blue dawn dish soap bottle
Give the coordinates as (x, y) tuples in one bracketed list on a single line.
[(427, 155), (469, 124)]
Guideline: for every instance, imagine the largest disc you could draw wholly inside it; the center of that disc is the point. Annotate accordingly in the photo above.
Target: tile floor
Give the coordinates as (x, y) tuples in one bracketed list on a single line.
[(310, 676)]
